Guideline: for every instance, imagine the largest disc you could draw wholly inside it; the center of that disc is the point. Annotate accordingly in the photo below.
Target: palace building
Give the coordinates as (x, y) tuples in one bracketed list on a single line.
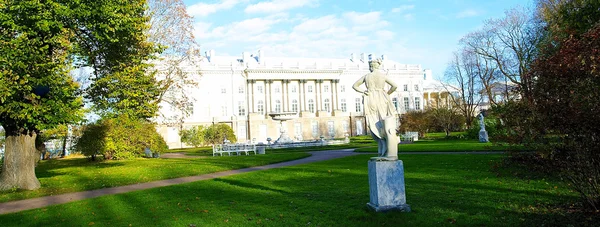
[(242, 91)]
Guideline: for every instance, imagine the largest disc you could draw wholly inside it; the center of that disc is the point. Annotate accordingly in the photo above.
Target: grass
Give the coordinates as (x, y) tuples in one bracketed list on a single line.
[(464, 190), (437, 142), (79, 174), (355, 142)]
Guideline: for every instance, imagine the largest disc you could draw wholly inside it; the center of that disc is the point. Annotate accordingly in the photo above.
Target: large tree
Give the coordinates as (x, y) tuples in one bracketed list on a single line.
[(566, 92), (36, 90), (511, 43), (112, 39), (463, 73), (177, 69)]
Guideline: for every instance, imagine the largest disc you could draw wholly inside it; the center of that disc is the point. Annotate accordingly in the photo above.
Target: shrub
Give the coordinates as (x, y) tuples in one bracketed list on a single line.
[(215, 134), (418, 121), (119, 138), (194, 136)]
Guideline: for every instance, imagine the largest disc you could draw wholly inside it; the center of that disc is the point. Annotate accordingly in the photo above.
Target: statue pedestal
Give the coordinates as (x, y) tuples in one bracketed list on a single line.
[(483, 136), (386, 186)]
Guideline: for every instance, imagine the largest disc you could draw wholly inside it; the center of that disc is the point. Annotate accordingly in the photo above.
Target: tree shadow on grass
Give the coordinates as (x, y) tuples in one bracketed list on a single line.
[(325, 194)]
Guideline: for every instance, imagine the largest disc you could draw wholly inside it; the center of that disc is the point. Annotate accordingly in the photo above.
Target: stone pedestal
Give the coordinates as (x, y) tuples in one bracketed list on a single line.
[(483, 136), (260, 149), (386, 186)]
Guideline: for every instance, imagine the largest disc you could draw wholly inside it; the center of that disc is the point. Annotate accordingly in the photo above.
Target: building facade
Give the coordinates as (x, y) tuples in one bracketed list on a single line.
[(242, 91)]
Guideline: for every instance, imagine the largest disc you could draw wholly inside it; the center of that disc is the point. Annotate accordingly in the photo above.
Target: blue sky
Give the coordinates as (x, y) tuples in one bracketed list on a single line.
[(407, 31)]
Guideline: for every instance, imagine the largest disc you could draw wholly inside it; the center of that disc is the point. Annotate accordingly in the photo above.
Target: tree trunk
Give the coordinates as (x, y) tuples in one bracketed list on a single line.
[(18, 170), (64, 147)]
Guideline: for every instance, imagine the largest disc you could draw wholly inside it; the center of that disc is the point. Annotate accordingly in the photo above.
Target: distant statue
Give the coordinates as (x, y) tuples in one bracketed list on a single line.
[(481, 122), (379, 110), (483, 135)]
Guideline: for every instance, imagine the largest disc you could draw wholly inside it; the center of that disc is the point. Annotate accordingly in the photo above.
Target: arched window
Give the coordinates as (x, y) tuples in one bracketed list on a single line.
[(311, 105), (260, 107), (294, 105), (326, 105)]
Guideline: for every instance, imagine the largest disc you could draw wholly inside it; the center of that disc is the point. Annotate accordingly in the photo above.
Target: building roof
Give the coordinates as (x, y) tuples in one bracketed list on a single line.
[(212, 61)]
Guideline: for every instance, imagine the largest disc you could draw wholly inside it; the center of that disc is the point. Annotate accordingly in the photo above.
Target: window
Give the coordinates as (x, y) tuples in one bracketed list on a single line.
[(294, 89), (310, 88), (311, 105), (406, 87), (331, 128), (241, 109), (223, 90), (325, 88), (395, 102), (343, 105), (298, 131), (417, 103), (342, 88), (326, 105), (259, 89), (277, 89), (277, 106), (315, 129), (295, 105), (416, 87), (358, 105), (260, 107), (345, 126), (406, 104), (241, 89), (223, 110)]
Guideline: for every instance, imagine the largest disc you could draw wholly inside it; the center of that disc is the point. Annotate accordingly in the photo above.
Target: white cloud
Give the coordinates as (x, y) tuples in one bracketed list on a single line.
[(409, 16), (317, 24), (278, 5), (364, 18), (204, 9), (238, 30), (325, 36), (403, 8), (468, 13)]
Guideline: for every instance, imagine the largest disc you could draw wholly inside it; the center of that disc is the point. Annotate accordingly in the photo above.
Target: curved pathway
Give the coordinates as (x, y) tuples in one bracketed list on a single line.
[(27, 204)]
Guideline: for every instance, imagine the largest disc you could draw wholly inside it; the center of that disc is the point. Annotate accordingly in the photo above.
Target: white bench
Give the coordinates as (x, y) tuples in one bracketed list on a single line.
[(410, 136), (219, 149)]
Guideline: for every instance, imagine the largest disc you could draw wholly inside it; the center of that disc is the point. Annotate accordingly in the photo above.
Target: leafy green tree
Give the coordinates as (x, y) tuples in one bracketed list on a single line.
[(194, 136), (217, 133), (36, 90), (111, 38)]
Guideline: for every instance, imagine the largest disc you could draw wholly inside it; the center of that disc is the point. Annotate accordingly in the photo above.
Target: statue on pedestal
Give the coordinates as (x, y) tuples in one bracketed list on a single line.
[(379, 110), (483, 135)]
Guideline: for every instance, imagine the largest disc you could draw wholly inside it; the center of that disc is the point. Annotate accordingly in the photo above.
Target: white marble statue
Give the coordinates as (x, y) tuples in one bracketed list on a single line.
[(483, 135), (379, 110), (481, 122)]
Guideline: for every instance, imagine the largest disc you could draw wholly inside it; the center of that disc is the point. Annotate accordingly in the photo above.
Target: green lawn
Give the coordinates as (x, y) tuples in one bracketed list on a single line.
[(355, 142), (443, 146), (79, 174), (463, 190)]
